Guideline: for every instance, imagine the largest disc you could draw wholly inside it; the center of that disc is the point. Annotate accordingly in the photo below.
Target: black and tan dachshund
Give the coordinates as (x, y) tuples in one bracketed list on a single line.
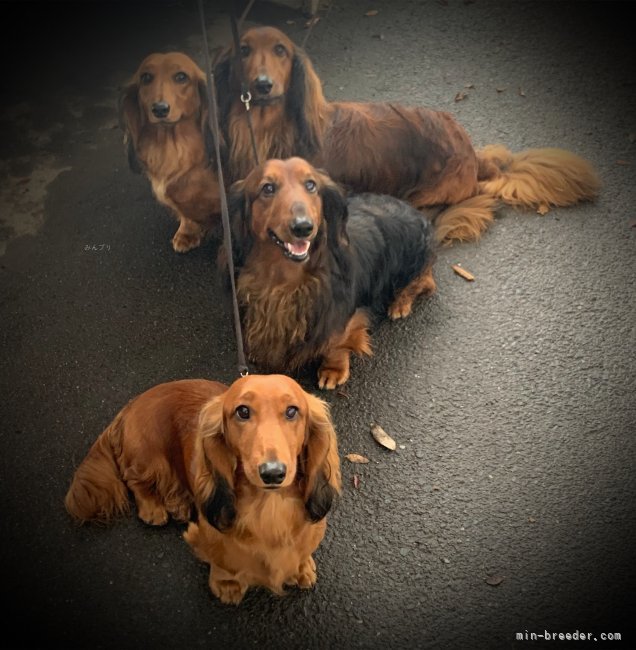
[(316, 268)]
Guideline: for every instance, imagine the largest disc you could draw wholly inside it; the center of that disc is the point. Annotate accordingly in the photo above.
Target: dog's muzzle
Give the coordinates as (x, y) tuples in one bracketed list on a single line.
[(160, 110), (298, 250), (272, 473)]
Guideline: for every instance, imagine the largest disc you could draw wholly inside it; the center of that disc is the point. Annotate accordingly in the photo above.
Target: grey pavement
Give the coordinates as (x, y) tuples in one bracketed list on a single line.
[(511, 397)]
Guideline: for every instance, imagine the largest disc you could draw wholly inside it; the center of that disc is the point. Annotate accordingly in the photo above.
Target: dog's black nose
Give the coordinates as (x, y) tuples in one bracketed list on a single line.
[(301, 226), (263, 84), (160, 109), (273, 472)]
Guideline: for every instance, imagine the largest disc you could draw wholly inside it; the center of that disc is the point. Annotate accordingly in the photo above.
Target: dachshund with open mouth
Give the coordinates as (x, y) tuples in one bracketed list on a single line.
[(254, 466), (316, 269), (163, 112)]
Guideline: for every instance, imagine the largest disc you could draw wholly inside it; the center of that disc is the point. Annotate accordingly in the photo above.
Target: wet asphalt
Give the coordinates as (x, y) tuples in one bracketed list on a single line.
[(508, 507)]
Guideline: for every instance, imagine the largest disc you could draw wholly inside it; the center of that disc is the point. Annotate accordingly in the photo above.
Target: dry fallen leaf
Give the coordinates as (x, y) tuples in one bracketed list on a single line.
[(382, 437), (543, 208), (372, 12), (356, 458), (494, 581), (501, 89), (460, 95), (467, 275), (356, 481)]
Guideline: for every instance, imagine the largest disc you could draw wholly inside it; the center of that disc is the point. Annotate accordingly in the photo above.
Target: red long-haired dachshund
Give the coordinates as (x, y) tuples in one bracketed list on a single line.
[(417, 154), (316, 269), (163, 112), (254, 467)]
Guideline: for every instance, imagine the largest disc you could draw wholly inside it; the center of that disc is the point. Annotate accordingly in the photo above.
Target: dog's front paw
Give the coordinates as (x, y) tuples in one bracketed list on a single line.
[(230, 592), (184, 242), (307, 577), (329, 378), (399, 310), (152, 514)]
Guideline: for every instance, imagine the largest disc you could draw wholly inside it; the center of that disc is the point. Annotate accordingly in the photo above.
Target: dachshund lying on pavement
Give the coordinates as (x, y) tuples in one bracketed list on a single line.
[(257, 462), (417, 154), (316, 268), (163, 112)]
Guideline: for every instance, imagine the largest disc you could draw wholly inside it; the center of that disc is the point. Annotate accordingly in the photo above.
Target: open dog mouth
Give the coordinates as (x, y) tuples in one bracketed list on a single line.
[(298, 250)]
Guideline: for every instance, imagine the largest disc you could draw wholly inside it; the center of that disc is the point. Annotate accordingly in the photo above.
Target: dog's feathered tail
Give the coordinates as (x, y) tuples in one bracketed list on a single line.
[(97, 492), (466, 220), (534, 178)]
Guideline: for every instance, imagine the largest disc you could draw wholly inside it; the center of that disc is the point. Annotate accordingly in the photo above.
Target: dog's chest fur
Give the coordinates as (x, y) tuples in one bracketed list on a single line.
[(277, 316), (272, 135), (169, 153), (269, 540)]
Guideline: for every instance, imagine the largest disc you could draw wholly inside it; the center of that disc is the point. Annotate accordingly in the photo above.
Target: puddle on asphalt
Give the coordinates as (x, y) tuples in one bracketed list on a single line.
[(22, 198)]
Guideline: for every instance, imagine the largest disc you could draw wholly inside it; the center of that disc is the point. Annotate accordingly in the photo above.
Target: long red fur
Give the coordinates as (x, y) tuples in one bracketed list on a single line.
[(271, 541), (173, 152), (181, 450), (148, 449), (415, 153)]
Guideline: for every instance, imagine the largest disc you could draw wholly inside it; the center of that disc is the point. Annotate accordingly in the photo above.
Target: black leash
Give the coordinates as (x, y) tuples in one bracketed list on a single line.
[(246, 96), (213, 121)]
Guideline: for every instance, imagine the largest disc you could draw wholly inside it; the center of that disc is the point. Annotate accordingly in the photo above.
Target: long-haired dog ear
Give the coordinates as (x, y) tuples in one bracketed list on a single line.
[(204, 122), (321, 463), (131, 119), (213, 466), (242, 239), (225, 92), (240, 221), (334, 210), (305, 103)]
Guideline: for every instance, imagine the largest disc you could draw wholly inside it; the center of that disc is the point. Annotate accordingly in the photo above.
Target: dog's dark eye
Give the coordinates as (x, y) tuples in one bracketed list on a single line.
[(280, 50), (181, 77), (269, 189), (243, 412), (146, 78), (311, 186), (245, 51), (291, 412)]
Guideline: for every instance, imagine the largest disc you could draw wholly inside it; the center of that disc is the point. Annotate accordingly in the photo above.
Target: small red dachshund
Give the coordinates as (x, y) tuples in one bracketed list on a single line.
[(163, 112), (316, 268), (255, 465), (417, 154), (271, 452)]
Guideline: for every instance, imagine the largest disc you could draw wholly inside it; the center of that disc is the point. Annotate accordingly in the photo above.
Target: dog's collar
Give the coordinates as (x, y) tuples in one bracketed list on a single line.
[(286, 252)]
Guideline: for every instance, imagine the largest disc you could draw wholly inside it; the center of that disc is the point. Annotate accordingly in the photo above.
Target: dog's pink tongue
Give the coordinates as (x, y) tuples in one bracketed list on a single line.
[(298, 247)]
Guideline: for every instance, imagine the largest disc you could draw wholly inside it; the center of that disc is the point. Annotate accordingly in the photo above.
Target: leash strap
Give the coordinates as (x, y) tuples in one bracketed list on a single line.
[(213, 121), (246, 97)]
